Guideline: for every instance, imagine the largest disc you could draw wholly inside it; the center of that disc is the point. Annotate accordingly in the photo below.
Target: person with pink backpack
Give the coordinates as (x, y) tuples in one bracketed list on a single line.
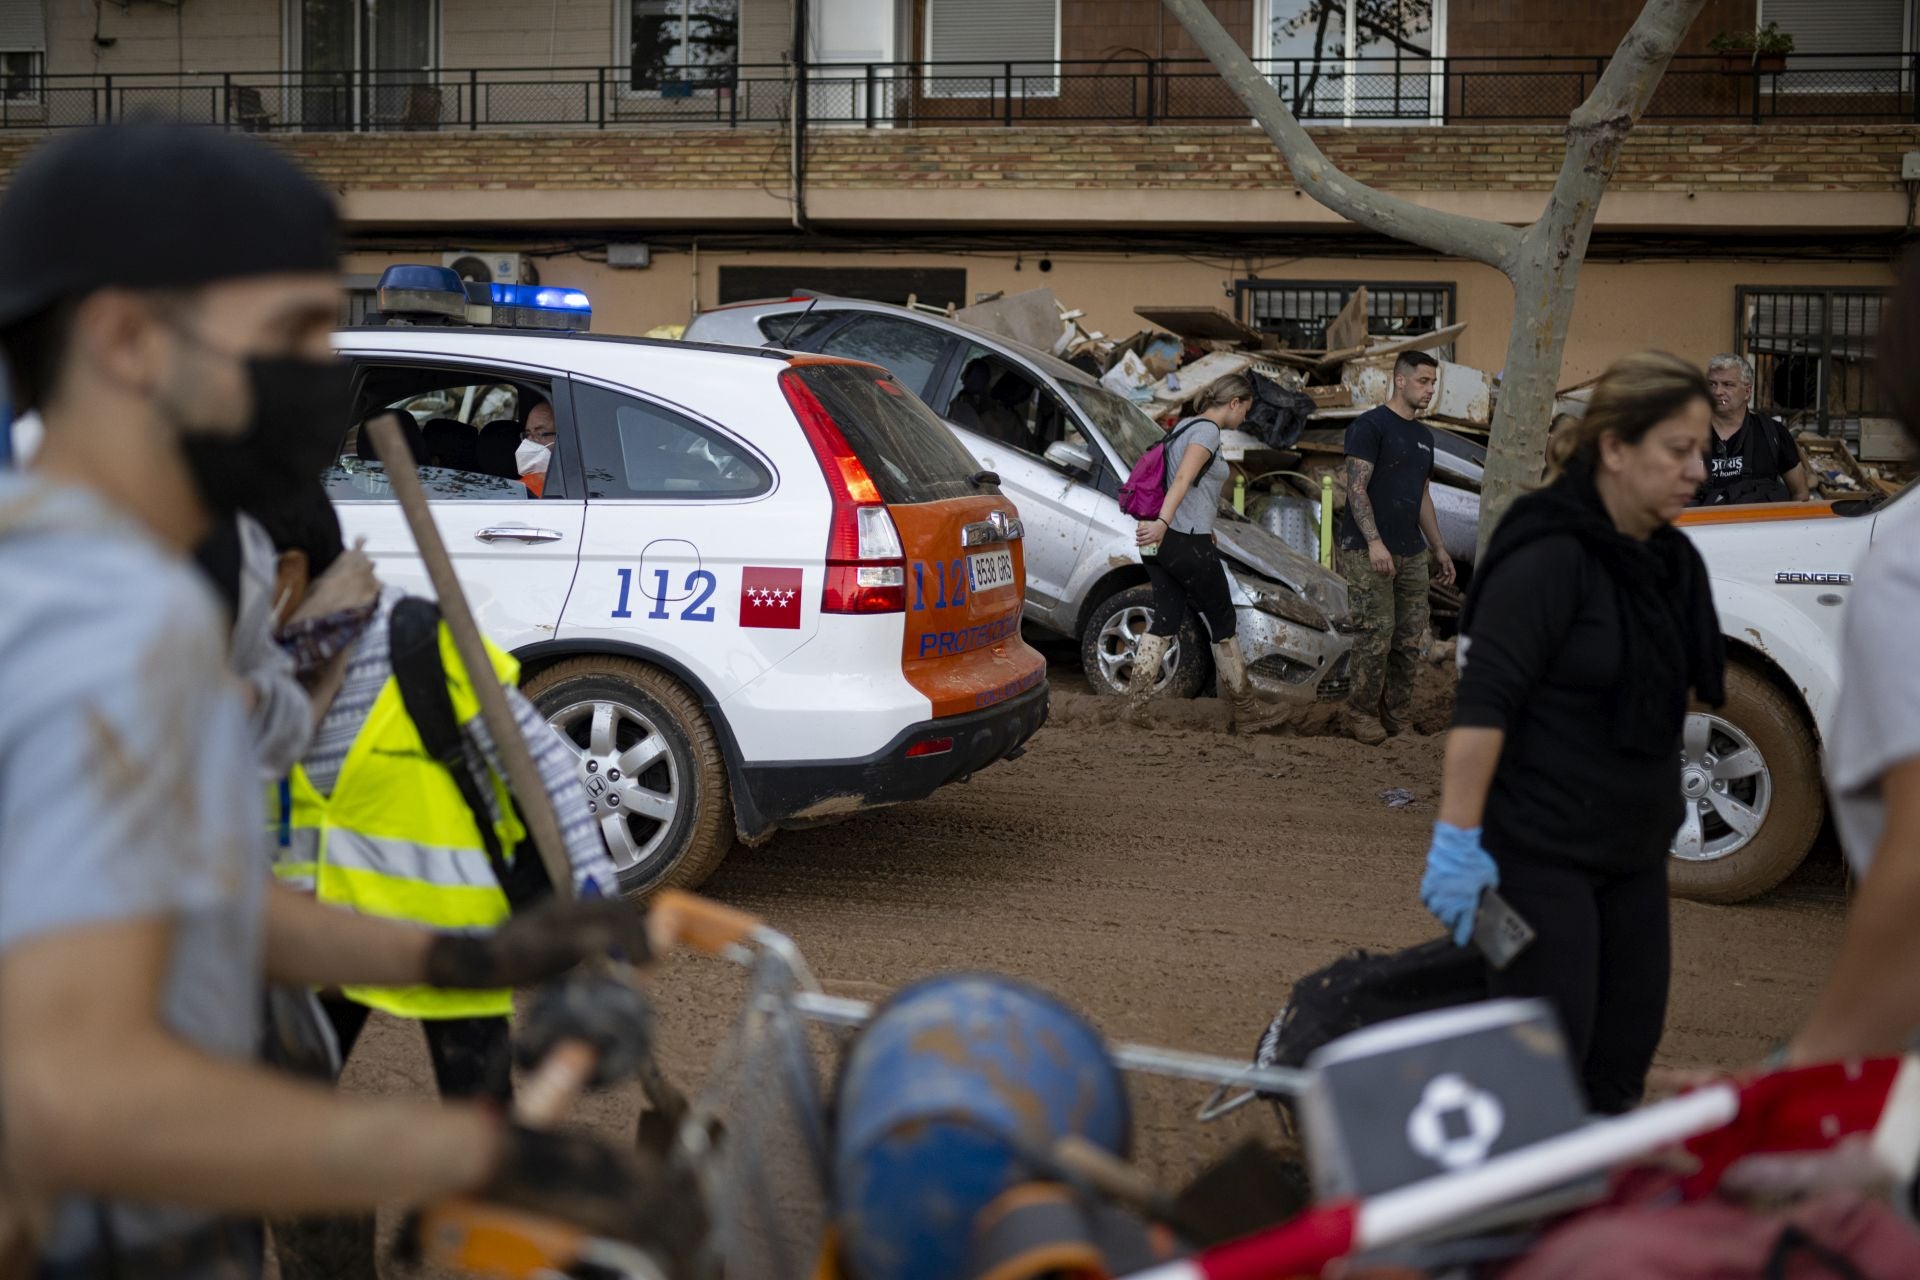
[(1174, 491)]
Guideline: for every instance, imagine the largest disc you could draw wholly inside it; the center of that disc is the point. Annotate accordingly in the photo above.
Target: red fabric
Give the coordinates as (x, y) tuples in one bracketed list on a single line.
[(1298, 1248), (1808, 1109), (535, 482), (1715, 1240)]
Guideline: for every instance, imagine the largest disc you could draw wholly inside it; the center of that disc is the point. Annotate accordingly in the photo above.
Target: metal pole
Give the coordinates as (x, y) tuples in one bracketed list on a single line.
[(523, 777), (870, 95), (473, 99), (600, 80), (226, 99), (1007, 102)]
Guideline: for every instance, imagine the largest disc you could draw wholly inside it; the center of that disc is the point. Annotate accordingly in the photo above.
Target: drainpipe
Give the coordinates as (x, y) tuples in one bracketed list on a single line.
[(797, 114)]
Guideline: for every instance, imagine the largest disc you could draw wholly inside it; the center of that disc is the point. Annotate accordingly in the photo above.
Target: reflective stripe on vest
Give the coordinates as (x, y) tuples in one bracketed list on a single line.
[(397, 840)]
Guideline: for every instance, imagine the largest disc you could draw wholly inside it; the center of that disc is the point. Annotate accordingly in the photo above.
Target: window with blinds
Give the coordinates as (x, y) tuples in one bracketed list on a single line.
[(23, 50), (992, 48), (1843, 29)]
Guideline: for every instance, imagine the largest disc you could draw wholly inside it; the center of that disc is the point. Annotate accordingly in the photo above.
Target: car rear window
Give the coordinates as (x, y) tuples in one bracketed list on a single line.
[(788, 328), (909, 452)]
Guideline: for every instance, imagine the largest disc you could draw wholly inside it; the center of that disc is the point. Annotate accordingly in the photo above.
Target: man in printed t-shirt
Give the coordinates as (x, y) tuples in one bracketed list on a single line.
[(1750, 457)]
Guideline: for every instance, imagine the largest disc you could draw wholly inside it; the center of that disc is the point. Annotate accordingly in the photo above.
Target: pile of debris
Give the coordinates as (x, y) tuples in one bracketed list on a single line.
[(1304, 399)]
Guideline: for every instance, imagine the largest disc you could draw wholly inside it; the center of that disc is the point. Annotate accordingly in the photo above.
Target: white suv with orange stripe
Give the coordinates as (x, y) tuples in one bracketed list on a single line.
[(756, 590)]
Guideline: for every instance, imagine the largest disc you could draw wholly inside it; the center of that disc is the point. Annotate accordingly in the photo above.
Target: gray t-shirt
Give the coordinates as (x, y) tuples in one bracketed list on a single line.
[(1876, 723), (128, 788), (1201, 506)]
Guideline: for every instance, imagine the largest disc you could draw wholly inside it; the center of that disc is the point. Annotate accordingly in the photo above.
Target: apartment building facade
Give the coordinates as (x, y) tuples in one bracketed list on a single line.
[(951, 149)]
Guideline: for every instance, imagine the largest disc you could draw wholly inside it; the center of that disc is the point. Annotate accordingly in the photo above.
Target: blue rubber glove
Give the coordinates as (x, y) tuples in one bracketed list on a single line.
[(1458, 870)]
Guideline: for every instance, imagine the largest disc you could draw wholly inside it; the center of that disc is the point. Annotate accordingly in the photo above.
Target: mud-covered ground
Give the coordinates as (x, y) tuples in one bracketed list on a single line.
[(1172, 883)]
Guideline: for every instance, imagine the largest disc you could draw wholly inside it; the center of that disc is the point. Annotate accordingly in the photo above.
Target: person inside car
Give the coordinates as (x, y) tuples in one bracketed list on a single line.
[(536, 448), (1751, 457), (976, 409)]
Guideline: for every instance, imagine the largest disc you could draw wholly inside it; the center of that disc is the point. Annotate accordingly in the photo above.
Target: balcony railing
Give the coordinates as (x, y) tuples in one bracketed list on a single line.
[(1147, 91)]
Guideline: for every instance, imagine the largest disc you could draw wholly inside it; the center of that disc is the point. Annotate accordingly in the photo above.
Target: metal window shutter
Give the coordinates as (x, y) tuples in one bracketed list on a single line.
[(23, 25), (992, 30), (1839, 26)]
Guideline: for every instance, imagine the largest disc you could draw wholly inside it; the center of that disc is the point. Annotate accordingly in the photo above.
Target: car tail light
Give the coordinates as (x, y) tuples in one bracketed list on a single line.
[(866, 566), (930, 747)]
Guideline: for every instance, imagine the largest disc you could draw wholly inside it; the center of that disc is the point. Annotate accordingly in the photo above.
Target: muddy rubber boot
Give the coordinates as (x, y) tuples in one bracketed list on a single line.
[(1148, 653), (1251, 713), (1366, 730), (1396, 721)]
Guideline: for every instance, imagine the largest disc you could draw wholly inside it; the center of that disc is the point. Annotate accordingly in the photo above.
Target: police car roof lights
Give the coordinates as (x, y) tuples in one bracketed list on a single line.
[(532, 306), (413, 294)]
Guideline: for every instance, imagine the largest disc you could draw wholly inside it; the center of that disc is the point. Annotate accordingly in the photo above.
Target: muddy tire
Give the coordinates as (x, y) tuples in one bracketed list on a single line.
[(650, 764), (1114, 628), (1756, 756)]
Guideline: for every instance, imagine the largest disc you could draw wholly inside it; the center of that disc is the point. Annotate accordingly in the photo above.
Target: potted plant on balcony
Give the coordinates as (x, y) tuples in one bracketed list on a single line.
[(1746, 52)]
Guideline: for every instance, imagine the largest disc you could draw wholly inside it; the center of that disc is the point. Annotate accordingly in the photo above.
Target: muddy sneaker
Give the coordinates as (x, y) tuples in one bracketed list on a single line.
[(1366, 730)]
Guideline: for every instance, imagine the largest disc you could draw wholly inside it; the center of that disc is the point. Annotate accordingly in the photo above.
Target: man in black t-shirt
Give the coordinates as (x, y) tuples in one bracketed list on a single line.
[(1385, 535), (1751, 457)]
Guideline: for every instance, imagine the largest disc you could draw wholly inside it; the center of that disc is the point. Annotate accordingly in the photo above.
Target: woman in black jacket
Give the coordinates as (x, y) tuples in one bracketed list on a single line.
[(1589, 621)]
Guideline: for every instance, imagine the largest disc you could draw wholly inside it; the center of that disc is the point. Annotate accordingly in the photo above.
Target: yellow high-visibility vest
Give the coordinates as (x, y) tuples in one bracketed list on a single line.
[(397, 840)]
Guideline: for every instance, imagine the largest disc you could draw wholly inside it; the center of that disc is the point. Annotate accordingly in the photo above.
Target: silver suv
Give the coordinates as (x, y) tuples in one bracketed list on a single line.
[(1061, 444)]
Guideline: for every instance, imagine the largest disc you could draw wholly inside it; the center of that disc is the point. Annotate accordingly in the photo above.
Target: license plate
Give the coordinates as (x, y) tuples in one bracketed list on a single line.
[(989, 570)]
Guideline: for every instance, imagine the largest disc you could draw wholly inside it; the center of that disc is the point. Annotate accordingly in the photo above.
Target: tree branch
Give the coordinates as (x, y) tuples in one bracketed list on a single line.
[(1476, 239)]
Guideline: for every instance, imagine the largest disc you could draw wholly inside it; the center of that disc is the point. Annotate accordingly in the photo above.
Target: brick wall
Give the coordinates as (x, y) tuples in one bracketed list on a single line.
[(1785, 158), (1534, 28)]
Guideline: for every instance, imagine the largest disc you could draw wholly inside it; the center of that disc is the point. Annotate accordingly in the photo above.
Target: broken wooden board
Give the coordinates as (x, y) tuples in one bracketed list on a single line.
[(1201, 324), (1349, 328), (1032, 317), (1419, 341)]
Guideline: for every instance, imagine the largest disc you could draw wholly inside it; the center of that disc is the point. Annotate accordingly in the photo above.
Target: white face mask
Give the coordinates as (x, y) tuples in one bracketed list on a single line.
[(532, 457)]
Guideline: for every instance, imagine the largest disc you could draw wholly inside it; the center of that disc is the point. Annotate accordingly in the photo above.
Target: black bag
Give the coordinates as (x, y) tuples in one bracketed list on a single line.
[(414, 637), (1279, 414), (1362, 988)]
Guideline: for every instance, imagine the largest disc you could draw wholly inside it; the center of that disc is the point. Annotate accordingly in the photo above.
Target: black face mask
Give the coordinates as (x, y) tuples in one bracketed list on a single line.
[(299, 417)]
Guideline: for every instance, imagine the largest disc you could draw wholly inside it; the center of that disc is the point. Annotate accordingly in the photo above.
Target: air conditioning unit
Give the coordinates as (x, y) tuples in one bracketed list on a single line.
[(487, 267)]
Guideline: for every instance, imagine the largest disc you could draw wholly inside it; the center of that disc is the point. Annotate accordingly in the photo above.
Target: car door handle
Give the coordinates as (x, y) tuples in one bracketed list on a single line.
[(517, 533)]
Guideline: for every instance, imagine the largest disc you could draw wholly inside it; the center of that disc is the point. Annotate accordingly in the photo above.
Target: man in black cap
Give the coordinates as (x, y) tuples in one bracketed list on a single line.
[(165, 300)]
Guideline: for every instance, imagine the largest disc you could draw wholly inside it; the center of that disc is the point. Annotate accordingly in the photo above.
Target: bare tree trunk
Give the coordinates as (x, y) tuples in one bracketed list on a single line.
[(1542, 261)]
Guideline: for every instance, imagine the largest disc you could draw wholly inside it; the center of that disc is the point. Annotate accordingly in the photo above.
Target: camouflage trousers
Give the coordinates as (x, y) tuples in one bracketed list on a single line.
[(1391, 613)]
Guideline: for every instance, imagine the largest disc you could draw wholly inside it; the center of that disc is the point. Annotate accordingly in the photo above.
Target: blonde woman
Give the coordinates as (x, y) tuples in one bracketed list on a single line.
[(1184, 565), (1589, 624)]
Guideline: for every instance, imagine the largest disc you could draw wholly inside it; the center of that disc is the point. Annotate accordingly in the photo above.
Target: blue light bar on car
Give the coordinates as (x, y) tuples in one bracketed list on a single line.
[(412, 294), (532, 306)]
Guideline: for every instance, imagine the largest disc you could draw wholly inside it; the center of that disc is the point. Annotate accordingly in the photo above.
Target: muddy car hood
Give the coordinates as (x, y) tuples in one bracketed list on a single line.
[(1256, 549)]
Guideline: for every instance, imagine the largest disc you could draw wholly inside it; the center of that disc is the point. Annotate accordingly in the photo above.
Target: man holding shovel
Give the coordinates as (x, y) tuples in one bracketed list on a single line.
[(179, 359)]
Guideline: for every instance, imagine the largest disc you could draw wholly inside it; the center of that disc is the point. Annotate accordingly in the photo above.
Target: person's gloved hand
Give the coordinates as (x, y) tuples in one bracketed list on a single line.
[(1458, 870), (539, 944)]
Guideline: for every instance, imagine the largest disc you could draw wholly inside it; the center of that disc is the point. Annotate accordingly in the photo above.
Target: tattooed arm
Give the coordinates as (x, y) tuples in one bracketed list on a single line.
[(1359, 475)]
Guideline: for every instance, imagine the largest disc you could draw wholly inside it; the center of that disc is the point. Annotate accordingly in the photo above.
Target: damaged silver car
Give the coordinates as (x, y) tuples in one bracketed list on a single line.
[(1061, 445)]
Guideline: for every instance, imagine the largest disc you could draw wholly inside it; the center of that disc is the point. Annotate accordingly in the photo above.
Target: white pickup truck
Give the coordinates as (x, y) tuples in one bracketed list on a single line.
[(1781, 575)]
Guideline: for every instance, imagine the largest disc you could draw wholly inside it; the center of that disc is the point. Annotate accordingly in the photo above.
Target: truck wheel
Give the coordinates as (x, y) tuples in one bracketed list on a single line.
[(1113, 632), (649, 767), (1751, 781)]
